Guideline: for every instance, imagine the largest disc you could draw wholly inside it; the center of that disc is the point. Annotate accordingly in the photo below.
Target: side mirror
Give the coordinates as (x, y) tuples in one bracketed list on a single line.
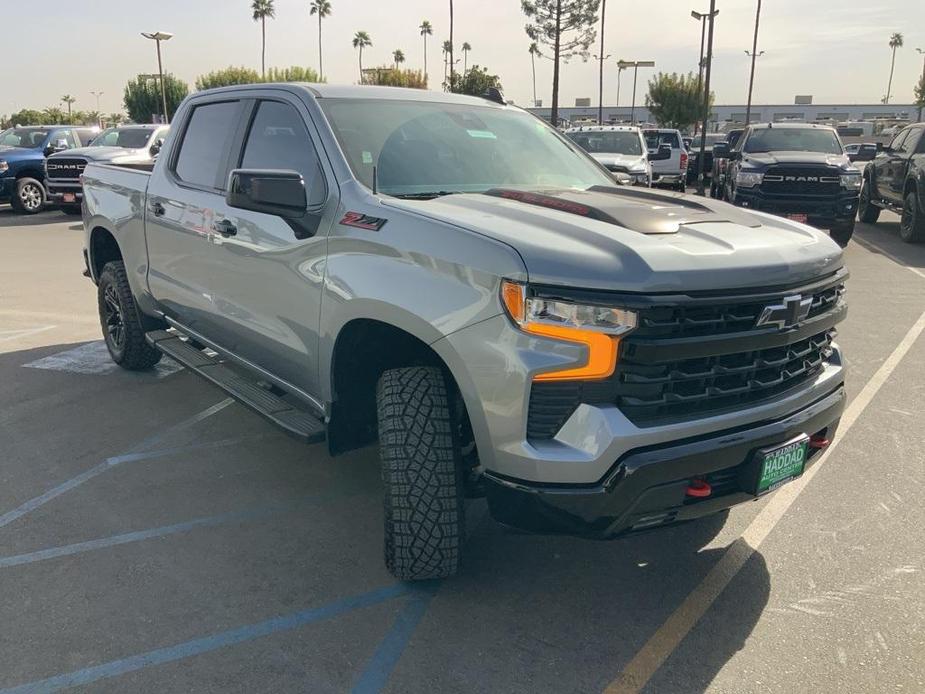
[(156, 147), (279, 193), (721, 150), (734, 156)]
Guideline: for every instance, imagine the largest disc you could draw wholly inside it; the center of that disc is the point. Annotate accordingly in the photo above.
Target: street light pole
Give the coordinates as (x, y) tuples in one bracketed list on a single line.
[(700, 17), (706, 99), (620, 69), (754, 54), (635, 64), (99, 116), (157, 37)]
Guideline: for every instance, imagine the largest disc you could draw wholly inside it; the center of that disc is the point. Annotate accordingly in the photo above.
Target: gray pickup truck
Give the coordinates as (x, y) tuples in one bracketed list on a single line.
[(450, 276)]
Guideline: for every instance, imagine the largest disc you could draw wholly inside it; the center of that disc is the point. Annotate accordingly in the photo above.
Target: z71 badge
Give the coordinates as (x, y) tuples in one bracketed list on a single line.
[(362, 221)]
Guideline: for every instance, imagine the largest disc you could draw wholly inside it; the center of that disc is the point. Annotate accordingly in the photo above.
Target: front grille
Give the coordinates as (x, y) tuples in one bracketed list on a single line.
[(65, 169), (693, 357), (790, 180)]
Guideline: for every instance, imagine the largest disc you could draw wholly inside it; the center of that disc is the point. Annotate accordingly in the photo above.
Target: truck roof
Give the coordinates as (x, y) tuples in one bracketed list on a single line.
[(602, 128), (338, 91), (790, 126)]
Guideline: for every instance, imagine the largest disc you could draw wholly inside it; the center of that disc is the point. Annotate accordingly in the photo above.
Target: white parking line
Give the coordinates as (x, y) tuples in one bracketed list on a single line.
[(670, 634), (8, 335)]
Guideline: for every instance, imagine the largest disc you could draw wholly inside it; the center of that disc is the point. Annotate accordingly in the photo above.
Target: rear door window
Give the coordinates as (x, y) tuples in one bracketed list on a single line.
[(206, 141)]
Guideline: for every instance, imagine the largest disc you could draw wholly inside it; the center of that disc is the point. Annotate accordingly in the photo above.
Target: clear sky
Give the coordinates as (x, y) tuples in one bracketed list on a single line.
[(835, 50)]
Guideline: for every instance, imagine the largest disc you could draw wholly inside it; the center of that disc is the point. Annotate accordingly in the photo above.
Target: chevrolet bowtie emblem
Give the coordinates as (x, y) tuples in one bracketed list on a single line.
[(788, 314)]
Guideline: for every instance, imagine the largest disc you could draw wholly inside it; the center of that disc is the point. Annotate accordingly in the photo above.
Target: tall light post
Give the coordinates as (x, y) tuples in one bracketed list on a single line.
[(157, 37), (620, 68), (706, 98), (754, 54), (922, 95), (99, 116), (751, 82), (635, 64), (700, 17), (600, 78)]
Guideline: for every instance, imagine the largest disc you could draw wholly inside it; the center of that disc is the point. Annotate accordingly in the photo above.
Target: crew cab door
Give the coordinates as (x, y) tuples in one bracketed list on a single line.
[(891, 166), (266, 282), (183, 192)]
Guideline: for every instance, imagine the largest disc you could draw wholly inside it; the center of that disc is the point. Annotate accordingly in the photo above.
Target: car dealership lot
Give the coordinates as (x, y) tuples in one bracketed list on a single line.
[(156, 537)]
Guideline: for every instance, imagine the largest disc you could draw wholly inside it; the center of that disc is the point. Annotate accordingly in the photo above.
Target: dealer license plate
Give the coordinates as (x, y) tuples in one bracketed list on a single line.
[(781, 464), (802, 218), (69, 197)]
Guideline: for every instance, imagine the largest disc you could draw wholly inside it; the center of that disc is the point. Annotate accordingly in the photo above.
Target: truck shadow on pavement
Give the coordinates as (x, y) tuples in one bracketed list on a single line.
[(883, 238), (10, 218), (528, 613)]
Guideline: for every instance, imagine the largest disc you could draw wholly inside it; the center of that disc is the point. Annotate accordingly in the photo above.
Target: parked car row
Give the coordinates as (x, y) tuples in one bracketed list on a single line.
[(41, 164)]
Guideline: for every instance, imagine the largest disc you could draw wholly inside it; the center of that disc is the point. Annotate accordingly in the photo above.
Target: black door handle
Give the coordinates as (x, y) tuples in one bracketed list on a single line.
[(157, 209), (225, 227)]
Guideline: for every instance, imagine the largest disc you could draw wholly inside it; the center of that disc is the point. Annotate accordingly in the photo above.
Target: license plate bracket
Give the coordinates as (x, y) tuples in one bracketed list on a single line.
[(777, 465), (69, 197), (797, 217)]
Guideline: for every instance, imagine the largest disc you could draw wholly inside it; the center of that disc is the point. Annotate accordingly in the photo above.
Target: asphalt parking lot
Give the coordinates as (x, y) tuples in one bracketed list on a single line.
[(155, 537)]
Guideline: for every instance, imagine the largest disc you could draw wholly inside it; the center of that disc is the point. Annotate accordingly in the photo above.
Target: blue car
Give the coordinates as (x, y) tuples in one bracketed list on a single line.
[(22, 161)]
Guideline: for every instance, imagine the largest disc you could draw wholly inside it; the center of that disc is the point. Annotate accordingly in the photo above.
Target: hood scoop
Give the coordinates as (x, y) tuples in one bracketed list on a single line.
[(640, 210)]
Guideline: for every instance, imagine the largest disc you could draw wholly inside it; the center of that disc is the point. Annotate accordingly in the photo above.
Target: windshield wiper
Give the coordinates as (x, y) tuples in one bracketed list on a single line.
[(430, 195)]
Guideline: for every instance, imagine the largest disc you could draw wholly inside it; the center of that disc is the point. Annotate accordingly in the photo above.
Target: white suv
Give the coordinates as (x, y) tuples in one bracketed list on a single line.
[(671, 172), (621, 149)]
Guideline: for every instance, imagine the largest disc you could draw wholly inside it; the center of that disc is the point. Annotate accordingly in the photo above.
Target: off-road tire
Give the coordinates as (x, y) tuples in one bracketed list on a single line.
[(912, 222), (842, 234), (72, 210), (128, 349), (422, 474), (28, 197), (867, 211)]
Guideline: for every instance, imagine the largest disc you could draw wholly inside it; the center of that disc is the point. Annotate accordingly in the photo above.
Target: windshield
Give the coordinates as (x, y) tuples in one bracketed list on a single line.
[(420, 147), (30, 138), (608, 142), (130, 138), (793, 140)]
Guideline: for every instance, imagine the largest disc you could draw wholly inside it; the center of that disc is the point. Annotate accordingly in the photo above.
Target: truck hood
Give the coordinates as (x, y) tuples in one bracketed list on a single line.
[(11, 154), (636, 240), (816, 158), (630, 161), (105, 154)]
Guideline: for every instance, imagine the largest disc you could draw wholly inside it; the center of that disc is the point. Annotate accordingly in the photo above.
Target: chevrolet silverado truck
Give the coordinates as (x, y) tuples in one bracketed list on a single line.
[(798, 170), (720, 161), (22, 161), (124, 145), (453, 278), (895, 180), (621, 149)]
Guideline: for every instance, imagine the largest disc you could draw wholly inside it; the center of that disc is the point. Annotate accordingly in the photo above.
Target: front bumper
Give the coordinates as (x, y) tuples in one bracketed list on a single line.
[(820, 211), (56, 192), (645, 488)]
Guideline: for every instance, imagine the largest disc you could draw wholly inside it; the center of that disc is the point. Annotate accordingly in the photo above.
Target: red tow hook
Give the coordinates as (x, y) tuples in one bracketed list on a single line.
[(699, 488), (818, 441)]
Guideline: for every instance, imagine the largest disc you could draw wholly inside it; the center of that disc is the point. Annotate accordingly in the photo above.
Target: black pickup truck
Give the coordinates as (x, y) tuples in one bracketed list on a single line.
[(895, 180), (797, 170)]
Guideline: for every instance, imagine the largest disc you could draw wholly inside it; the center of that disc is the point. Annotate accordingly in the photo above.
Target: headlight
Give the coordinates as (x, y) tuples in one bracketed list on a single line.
[(597, 327), (851, 181), (4, 167), (748, 179)]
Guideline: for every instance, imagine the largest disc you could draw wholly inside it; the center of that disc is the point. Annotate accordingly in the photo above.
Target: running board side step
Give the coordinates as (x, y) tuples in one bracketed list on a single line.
[(300, 423)]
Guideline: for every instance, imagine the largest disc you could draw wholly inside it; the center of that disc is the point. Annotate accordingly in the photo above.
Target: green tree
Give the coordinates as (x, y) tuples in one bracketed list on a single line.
[(69, 100), (322, 8), (296, 73), (261, 11), (447, 52), (360, 41), (676, 101), (115, 119), (142, 97), (920, 95), (27, 116), (896, 41), (391, 77), (465, 49), (398, 56), (226, 77), (476, 82), (426, 30), (54, 116), (567, 27)]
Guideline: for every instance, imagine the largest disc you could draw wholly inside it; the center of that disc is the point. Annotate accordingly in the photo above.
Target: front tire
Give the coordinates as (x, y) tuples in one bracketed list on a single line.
[(122, 327), (421, 470), (867, 211), (842, 234), (912, 223), (29, 196)]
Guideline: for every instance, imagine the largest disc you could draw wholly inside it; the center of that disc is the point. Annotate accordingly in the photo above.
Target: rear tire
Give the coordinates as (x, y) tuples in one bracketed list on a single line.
[(842, 234), (424, 490), (29, 196), (912, 223), (867, 211), (123, 329)]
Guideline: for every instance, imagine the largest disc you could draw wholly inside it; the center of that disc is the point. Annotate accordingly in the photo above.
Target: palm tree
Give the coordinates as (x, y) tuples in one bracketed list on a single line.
[(360, 41), (398, 56), (447, 52), (465, 49), (452, 66), (426, 30), (534, 51), (896, 41), (322, 8), (263, 9), (68, 99)]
